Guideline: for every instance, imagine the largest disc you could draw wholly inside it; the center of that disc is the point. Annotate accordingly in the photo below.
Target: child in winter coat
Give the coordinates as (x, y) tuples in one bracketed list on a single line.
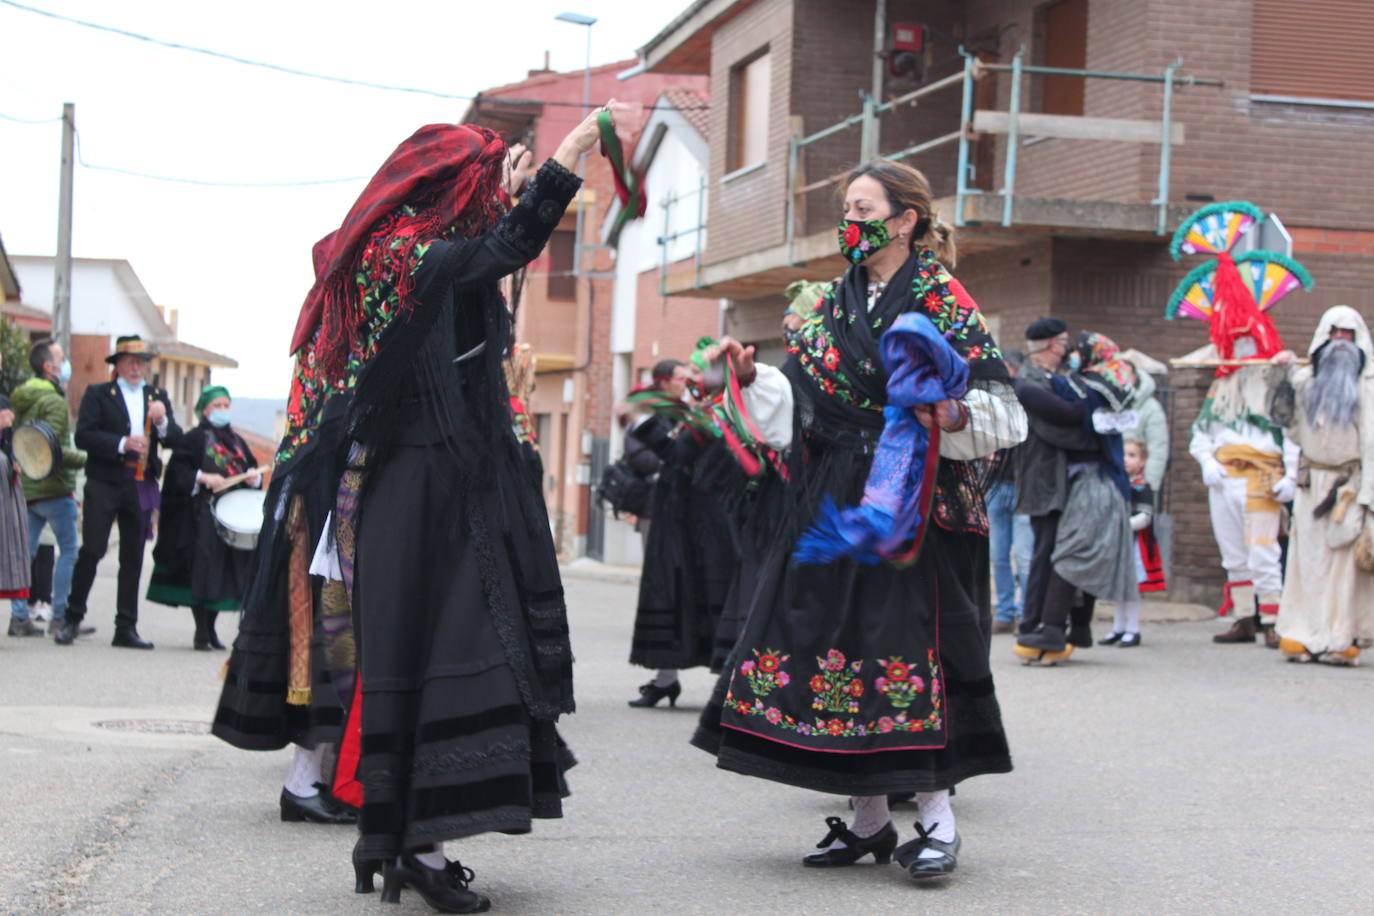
[(1149, 570)]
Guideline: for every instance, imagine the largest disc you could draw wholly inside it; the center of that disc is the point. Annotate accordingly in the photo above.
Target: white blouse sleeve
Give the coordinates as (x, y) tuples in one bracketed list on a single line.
[(993, 423), (769, 401)]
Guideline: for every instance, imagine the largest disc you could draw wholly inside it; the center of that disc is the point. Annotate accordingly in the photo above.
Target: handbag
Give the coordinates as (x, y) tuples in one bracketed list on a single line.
[(623, 490), (1364, 544)]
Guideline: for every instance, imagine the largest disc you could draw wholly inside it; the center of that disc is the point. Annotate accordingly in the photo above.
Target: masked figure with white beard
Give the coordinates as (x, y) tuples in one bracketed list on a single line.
[(1328, 601)]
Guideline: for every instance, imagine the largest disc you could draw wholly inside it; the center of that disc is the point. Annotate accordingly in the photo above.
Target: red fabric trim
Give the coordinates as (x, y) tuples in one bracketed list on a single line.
[(1227, 604), (1154, 564), (15, 593), (347, 788)]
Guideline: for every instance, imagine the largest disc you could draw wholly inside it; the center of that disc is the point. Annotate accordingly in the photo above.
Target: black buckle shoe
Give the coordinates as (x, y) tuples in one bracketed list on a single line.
[(909, 854), (317, 809), (855, 847), (649, 695), (445, 889)]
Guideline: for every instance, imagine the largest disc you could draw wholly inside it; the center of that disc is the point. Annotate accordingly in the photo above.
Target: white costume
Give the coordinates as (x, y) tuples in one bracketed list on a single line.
[(1245, 458), (1328, 602)]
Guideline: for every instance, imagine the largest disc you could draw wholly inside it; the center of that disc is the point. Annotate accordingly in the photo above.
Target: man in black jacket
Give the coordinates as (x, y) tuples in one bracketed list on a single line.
[(120, 426)]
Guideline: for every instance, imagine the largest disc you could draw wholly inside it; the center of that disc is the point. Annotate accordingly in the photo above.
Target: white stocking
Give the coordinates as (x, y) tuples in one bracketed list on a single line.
[(305, 772), (1128, 614), (937, 819), (1119, 618), (434, 858), (870, 815)]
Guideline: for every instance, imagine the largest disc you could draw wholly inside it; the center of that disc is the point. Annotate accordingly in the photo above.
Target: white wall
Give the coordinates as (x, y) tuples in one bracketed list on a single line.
[(101, 303)]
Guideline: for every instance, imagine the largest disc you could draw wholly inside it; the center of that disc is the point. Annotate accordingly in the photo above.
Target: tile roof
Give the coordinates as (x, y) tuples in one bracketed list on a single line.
[(692, 103)]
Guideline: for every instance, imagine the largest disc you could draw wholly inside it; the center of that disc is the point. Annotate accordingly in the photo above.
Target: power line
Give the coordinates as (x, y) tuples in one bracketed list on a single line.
[(292, 71), (30, 120)]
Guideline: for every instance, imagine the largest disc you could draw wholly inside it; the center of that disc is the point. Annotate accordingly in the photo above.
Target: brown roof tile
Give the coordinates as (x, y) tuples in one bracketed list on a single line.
[(692, 103)]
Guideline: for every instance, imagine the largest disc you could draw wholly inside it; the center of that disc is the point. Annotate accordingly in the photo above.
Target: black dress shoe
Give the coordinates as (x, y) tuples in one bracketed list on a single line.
[(1129, 640), (1110, 639), (649, 695), (317, 809), (909, 855), (445, 889), (128, 638), (855, 847)]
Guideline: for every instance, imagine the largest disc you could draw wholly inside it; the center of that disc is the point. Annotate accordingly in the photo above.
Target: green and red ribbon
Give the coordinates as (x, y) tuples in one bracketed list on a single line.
[(629, 182)]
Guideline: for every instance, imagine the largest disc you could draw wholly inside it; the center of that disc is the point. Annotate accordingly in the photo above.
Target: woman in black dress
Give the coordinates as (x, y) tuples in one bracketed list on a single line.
[(869, 678), (192, 565), (439, 532)]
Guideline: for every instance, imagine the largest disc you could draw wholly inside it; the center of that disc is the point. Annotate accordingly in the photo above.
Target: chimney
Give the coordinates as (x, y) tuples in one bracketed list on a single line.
[(172, 316), (547, 68)]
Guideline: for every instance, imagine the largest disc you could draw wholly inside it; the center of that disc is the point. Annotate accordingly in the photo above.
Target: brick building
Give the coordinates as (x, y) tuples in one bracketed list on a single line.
[(565, 305), (1270, 101)]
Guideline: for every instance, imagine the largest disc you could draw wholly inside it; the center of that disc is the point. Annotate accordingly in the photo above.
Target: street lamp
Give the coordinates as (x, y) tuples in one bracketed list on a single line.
[(588, 21)]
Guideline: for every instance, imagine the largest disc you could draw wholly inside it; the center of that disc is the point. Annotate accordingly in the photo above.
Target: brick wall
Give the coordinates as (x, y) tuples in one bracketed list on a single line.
[(668, 327), (746, 213)]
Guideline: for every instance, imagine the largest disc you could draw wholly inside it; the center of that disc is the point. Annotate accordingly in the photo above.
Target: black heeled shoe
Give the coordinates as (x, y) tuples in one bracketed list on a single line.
[(649, 694), (881, 844), (445, 889), (363, 870), (909, 854), (318, 809)]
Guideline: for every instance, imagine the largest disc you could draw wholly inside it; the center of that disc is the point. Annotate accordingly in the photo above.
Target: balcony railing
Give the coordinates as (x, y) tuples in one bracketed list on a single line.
[(1164, 132)]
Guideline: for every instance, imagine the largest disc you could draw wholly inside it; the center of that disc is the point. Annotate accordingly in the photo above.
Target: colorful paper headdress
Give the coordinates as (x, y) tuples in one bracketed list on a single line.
[(1232, 294)]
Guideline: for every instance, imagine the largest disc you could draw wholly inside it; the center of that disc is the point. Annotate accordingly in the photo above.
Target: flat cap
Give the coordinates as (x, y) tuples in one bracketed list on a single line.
[(1046, 328)]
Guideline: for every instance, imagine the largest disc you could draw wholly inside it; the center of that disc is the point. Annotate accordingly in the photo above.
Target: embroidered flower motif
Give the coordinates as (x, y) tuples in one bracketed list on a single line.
[(773, 715), (831, 359), (764, 671), (898, 684), (837, 684), (852, 234)]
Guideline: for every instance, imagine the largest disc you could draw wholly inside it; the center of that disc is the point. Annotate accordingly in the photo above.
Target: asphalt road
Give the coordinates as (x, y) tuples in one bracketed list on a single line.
[(1179, 777)]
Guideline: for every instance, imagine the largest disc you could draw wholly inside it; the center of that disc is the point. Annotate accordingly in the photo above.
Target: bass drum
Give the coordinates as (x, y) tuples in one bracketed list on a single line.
[(37, 450), (238, 517)]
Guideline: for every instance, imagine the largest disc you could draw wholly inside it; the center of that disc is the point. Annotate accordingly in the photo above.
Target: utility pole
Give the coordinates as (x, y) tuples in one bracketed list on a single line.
[(62, 279)]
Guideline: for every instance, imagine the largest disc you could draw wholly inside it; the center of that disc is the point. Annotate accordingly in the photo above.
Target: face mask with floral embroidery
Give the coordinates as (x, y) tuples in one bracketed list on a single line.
[(860, 238)]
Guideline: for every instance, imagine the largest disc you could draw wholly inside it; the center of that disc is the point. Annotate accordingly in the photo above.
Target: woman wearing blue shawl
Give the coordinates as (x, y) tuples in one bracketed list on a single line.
[(862, 667)]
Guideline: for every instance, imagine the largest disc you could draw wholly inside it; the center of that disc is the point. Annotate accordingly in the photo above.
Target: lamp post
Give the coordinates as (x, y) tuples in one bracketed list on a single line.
[(588, 21)]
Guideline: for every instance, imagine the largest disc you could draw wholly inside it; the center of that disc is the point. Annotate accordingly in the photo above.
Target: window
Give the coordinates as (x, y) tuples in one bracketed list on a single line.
[(562, 283), (748, 139), (1064, 27), (1314, 49)]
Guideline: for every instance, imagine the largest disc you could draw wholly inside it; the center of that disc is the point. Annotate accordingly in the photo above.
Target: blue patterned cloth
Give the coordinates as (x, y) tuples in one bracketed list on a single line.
[(922, 368)]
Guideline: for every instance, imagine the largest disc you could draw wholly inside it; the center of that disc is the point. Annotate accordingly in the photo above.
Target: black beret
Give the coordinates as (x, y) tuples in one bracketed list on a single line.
[(1046, 328)]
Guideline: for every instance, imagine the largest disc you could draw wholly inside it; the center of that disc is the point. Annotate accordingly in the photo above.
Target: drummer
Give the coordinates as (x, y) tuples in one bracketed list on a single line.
[(192, 566), (52, 499)]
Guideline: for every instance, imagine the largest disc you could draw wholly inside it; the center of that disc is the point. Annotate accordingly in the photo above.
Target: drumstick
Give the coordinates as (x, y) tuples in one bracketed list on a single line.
[(240, 478)]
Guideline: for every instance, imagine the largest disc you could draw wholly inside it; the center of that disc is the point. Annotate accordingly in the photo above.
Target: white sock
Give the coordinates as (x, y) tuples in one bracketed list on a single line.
[(305, 772), (666, 677), (870, 815), (1119, 618), (937, 818), (1130, 611), (434, 858)]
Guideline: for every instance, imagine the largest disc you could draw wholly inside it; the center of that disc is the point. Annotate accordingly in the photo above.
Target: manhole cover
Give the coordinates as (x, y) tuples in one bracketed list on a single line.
[(157, 726)]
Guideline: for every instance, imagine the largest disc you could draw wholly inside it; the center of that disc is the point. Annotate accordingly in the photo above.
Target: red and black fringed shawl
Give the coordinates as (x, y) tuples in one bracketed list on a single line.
[(448, 174)]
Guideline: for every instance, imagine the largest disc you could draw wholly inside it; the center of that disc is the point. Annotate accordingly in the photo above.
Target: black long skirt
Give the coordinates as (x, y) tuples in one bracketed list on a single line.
[(449, 748), (690, 562), (841, 723)]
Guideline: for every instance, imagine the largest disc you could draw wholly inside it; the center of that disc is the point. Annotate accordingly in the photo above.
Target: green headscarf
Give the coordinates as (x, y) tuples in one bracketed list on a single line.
[(209, 394), (698, 356)]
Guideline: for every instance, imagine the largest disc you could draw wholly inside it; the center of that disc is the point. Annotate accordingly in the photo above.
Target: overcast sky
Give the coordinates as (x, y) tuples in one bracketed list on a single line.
[(236, 261)]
